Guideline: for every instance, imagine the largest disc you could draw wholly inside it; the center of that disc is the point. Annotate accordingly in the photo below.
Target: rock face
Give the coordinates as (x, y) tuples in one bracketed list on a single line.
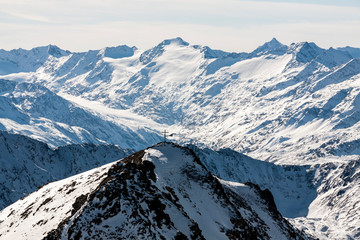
[(320, 199), (334, 214), (163, 192)]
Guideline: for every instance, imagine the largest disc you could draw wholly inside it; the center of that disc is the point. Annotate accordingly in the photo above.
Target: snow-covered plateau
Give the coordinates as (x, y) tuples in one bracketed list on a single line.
[(295, 108)]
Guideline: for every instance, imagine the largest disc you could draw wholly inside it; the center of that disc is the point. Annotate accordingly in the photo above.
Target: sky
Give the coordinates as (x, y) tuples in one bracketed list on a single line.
[(230, 25)]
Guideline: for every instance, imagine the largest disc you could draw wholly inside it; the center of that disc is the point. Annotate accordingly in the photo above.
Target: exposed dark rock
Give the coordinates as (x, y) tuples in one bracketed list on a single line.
[(78, 203), (137, 200)]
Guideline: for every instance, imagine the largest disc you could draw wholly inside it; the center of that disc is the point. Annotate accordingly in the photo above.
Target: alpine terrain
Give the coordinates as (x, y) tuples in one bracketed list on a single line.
[(163, 192), (294, 110), (26, 164)]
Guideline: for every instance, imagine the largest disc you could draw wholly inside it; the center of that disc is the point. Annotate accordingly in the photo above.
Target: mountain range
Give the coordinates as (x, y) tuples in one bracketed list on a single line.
[(278, 103), (295, 108)]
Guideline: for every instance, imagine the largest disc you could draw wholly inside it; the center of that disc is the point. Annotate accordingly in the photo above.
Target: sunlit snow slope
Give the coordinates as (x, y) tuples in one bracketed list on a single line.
[(33, 110), (285, 104)]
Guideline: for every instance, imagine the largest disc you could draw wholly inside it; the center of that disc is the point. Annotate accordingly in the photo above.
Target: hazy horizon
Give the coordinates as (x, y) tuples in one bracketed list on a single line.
[(232, 25)]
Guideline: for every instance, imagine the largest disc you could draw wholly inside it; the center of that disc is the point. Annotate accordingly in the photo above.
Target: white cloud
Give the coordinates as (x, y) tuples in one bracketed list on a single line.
[(28, 17), (230, 25)]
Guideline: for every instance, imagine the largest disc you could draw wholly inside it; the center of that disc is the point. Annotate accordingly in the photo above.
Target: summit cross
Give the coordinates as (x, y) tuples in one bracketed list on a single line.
[(165, 132)]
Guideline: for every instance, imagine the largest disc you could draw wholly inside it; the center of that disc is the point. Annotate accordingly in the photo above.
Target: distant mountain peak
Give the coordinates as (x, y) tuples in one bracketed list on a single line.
[(177, 40), (274, 42), (56, 51), (305, 51), (118, 51), (273, 46), (156, 51), (304, 45)]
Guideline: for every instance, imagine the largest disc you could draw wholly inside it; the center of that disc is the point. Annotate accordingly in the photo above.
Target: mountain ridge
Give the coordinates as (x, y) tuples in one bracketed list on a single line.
[(27, 164), (301, 193), (148, 196)]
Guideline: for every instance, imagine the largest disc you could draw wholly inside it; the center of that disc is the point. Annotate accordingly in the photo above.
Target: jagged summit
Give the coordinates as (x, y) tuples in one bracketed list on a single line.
[(43, 51), (333, 57), (210, 53), (56, 51), (177, 40), (158, 193), (305, 51), (118, 51), (273, 43), (273, 47), (158, 50), (21, 60)]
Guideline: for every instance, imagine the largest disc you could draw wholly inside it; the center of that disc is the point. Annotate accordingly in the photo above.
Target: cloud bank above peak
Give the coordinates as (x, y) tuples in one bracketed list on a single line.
[(232, 25)]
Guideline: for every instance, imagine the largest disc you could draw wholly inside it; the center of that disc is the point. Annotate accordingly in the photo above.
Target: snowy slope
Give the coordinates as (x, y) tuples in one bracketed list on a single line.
[(322, 200), (33, 110), (292, 186), (26, 164), (334, 214), (279, 103), (163, 192), (21, 60)]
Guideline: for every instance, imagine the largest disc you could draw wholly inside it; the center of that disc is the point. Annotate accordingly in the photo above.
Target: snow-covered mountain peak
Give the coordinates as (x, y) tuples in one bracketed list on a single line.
[(210, 53), (305, 51), (177, 41), (165, 156), (56, 51), (156, 51), (273, 44), (271, 47), (42, 52), (296, 47), (21, 60), (118, 51)]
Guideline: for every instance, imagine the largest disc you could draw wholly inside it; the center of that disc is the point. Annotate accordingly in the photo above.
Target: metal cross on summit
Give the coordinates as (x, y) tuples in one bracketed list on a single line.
[(165, 132)]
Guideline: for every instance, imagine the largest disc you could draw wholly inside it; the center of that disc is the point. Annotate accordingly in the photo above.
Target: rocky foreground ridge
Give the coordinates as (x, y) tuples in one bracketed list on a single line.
[(163, 192)]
